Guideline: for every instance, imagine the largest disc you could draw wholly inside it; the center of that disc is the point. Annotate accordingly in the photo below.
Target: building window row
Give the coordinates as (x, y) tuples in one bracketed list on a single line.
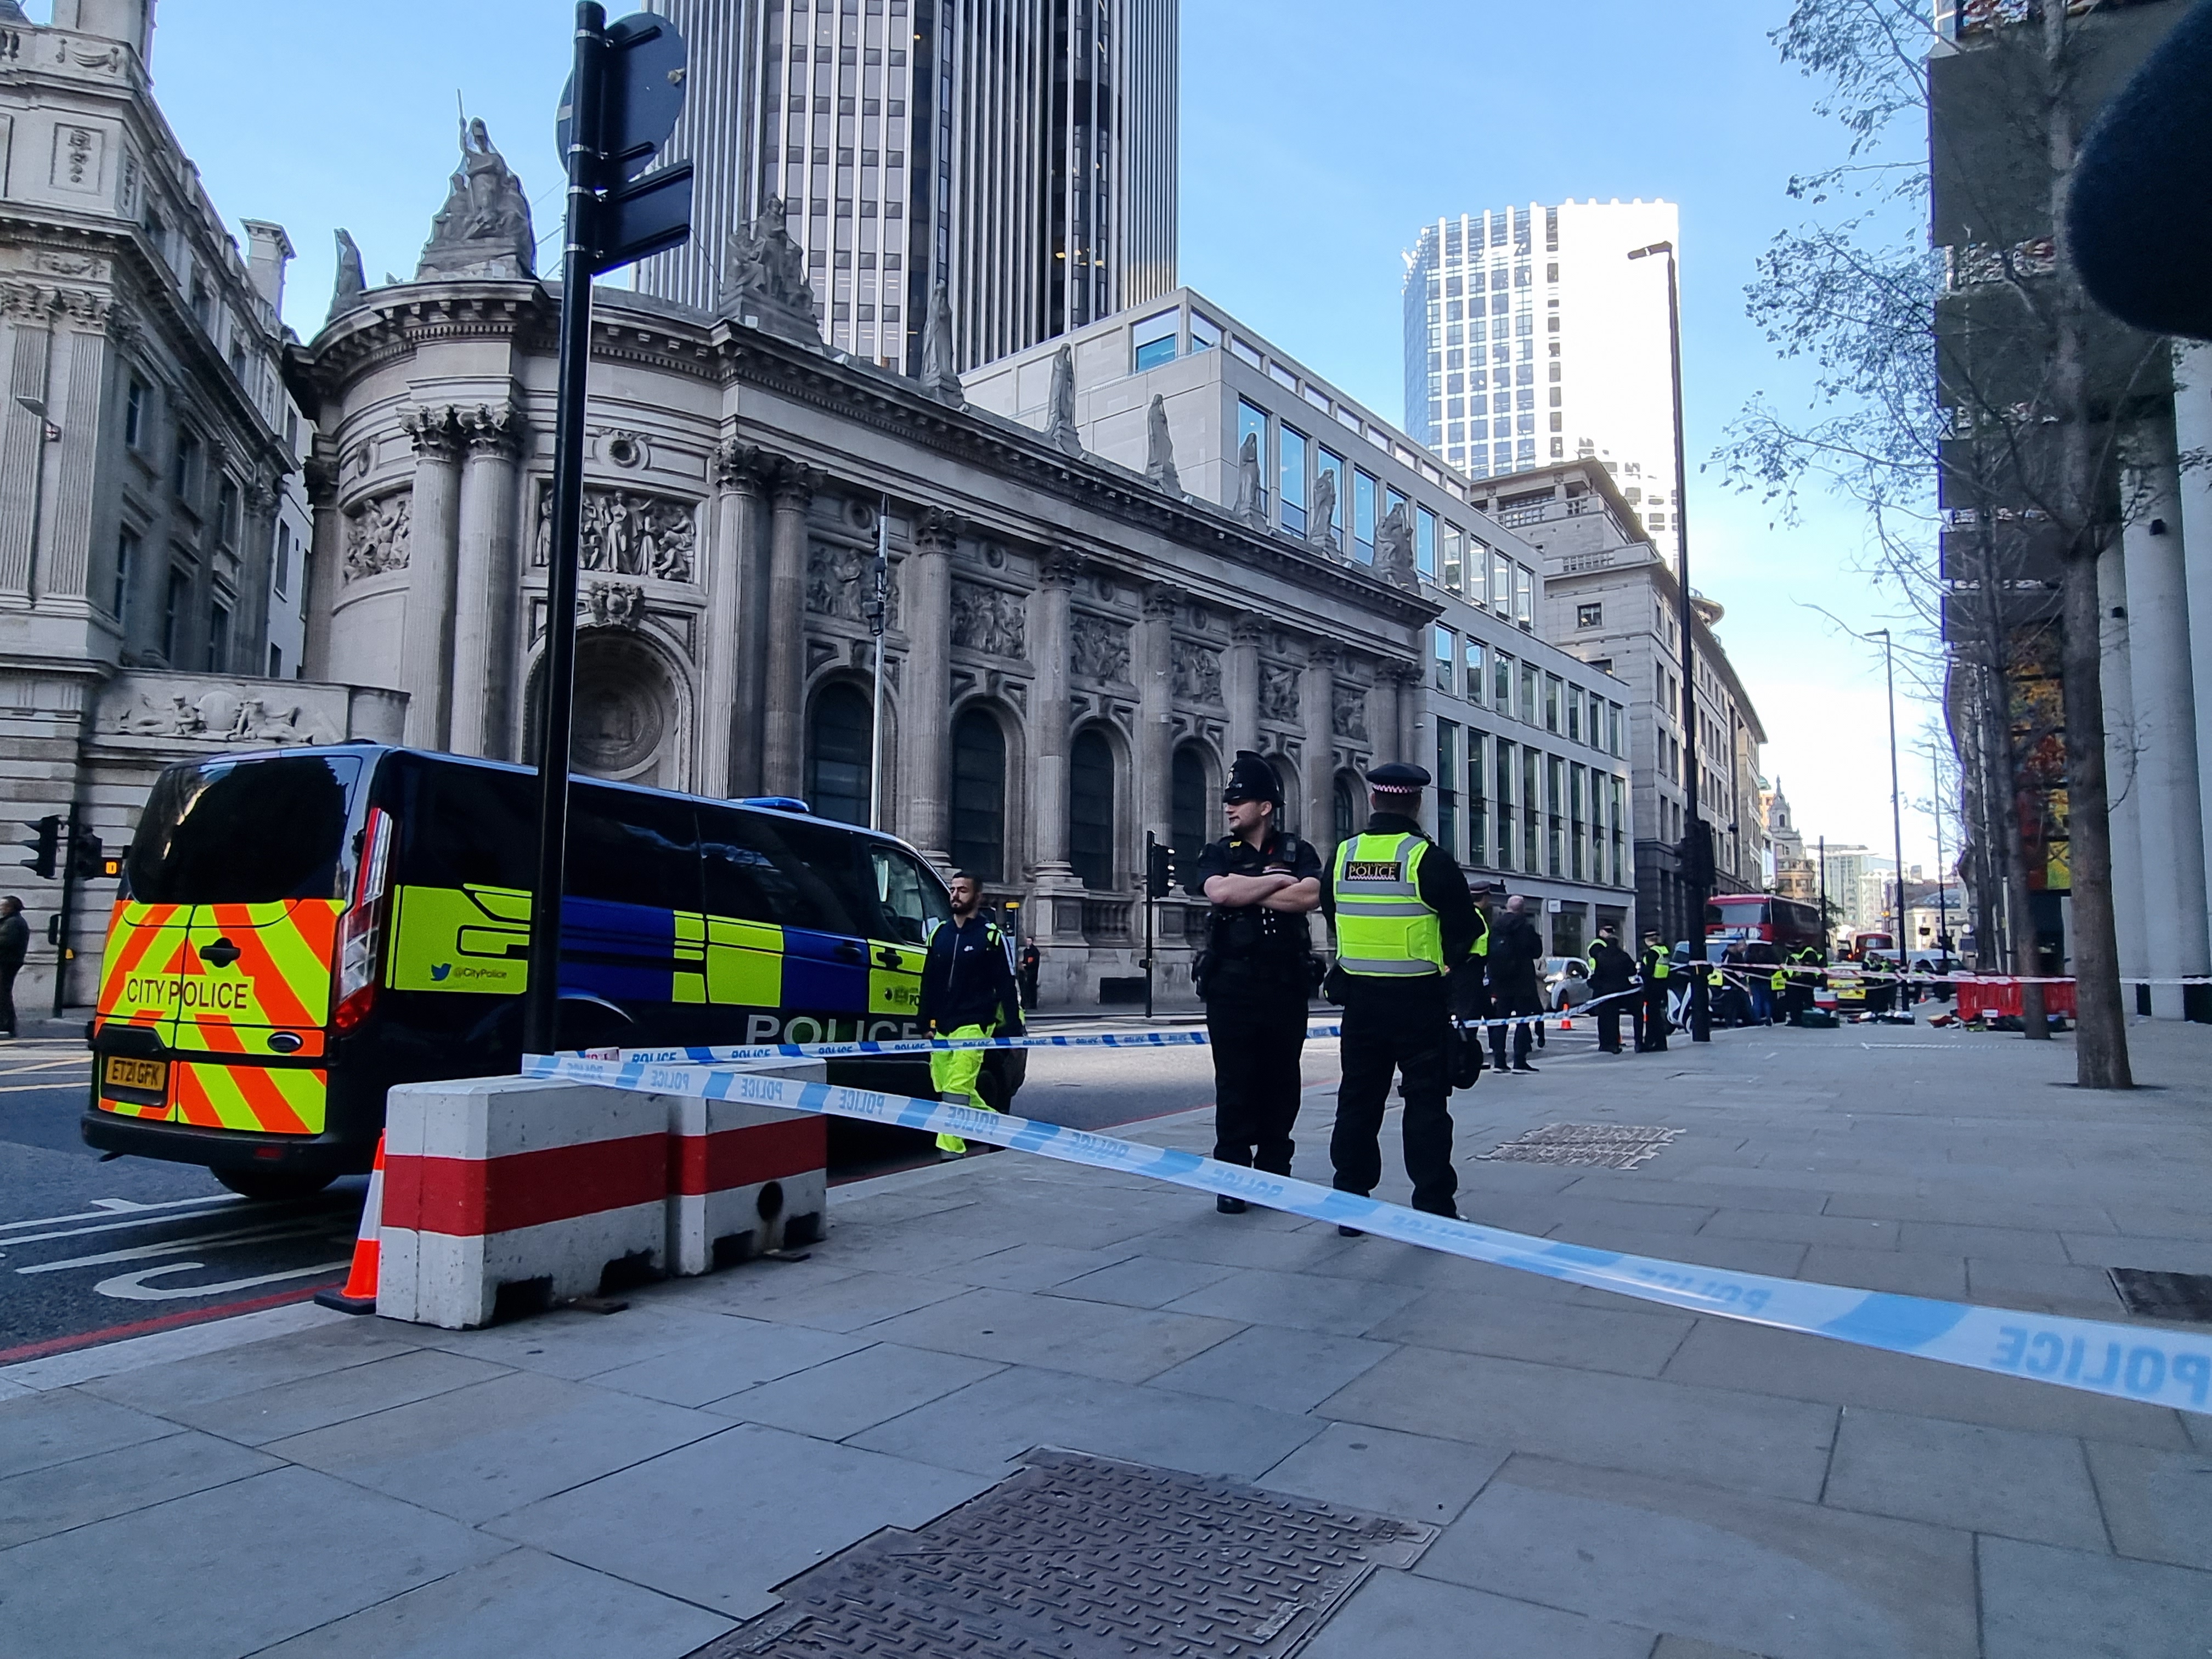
[(1513, 807), (1464, 666)]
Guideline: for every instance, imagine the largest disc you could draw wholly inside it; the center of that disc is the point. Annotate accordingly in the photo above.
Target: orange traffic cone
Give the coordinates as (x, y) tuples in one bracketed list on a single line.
[(359, 1296), (1566, 1025)]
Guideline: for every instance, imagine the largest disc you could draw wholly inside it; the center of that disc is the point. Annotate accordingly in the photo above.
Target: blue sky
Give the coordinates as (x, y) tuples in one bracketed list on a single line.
[(1317, 138)]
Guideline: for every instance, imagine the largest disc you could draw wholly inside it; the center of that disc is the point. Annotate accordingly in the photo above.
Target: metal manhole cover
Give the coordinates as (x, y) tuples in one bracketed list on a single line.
[(1613, 1145), (1078, 1556), (2164, 1296)]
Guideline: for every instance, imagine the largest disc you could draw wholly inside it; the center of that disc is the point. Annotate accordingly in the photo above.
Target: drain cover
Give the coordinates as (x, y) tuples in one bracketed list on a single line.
[(2164, 1296), (1078, 1556), (1615, 1145)]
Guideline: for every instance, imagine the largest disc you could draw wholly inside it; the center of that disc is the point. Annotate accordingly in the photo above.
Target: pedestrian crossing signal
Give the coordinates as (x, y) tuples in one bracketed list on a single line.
[(88, 859)]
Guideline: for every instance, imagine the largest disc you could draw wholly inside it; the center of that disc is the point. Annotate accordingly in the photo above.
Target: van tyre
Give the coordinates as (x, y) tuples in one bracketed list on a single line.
[(272, 1185)]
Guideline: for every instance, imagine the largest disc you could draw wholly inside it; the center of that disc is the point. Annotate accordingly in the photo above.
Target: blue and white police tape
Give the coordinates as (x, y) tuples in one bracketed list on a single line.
[(2127, 1362), (751, 1052)]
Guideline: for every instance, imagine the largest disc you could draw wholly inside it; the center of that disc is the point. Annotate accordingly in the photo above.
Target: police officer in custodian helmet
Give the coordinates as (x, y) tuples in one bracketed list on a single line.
[(1404, 921), (1255, 971)]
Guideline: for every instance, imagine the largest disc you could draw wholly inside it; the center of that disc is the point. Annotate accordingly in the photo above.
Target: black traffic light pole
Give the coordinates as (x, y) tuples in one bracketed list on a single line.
[(1696, 855), (541, 997), (622, 102)]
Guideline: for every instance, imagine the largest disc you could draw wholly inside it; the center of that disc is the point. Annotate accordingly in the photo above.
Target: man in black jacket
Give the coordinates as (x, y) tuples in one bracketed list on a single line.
[(1516, 948), (1613, 971), (14, 942), (968, 990)]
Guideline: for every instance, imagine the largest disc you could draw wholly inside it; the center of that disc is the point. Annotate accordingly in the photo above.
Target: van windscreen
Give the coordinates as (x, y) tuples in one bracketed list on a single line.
[(244, 832)]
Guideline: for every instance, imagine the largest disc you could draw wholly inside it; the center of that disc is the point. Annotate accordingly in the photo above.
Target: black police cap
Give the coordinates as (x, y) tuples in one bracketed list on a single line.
[(1398, 776), (1250, 778)]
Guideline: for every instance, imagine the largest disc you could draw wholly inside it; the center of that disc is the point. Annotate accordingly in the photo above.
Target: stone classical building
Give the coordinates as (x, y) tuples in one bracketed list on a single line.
[(143, 459), (1072, 654)]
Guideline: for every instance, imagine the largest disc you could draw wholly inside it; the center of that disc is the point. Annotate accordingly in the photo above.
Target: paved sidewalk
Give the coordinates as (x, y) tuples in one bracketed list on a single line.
[(1610, 1478)]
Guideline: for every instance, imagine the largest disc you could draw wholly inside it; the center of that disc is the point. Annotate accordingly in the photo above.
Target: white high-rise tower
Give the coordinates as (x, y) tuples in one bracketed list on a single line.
[(1531, 337), (1022, 152)]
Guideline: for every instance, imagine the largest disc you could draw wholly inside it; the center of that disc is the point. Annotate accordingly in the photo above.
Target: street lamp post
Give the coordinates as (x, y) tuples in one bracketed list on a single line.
[(1896, 798), (1942, 907), (1697, 849)]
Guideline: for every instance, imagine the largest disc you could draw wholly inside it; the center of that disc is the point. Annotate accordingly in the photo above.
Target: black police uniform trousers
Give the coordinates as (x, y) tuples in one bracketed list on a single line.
[(1651, 1026), (1257, 1028), (1395, 1025), (1609, 1005)]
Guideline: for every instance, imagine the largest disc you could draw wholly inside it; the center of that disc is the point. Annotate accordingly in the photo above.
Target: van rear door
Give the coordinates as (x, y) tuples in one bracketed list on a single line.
[(236, 878)]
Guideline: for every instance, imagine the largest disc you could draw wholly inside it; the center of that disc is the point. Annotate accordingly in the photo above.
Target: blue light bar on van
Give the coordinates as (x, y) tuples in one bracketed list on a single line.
[(778, 803)]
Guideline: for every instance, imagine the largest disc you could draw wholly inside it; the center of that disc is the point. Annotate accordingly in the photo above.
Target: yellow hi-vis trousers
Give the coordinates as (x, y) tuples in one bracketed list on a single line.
[(952, 1074)]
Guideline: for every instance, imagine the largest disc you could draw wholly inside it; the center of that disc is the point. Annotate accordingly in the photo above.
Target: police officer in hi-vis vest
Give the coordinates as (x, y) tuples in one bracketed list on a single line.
[(1656, 965), (1404, 921), (1257, 971), (1613, 972)]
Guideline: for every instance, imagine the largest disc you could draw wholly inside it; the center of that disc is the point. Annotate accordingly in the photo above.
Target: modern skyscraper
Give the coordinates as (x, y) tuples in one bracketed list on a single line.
[(1022, 151), (1530, 338)]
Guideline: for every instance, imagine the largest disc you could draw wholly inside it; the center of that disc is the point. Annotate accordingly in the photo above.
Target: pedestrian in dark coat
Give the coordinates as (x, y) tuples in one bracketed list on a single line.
[(14, 945), (1613, 971), (1516, 948)]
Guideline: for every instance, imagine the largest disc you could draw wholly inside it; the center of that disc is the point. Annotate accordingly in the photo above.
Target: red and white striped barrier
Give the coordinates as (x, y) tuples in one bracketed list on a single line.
[(491, 1182), (743, 1179)]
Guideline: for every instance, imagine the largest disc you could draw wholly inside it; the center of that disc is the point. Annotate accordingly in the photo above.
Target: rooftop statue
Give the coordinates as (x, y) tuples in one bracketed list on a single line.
[(1393, 549), (1060, 428), (484, 229), (1322, 522), (939, 378), (1160, 448), (764, 278), (346, 292)]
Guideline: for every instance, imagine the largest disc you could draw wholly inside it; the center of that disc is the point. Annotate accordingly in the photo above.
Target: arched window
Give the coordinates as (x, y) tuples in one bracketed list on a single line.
[(837, 759), (979, 796), (1289, 816), (1347, 809), (1091, 808), (1188, 816)]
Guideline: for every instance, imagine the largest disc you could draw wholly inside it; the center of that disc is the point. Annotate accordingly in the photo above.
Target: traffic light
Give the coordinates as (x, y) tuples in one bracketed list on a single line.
[(88, 859), (44, 845), (1159, 869)]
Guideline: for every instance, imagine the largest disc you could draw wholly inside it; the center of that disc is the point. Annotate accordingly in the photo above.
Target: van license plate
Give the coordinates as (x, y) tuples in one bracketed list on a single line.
[(151, 1076)]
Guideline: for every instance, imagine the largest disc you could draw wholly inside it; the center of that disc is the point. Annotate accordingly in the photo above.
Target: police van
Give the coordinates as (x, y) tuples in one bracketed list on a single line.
[(298, 931)]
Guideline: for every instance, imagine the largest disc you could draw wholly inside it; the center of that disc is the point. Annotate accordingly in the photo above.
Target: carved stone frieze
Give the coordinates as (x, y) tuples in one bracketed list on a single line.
[(1348, 716), (1098, 648), (989, 620), (1279, 692), (224, 713), (627, 533), (838, 579), (1197, 672), (376, 535)]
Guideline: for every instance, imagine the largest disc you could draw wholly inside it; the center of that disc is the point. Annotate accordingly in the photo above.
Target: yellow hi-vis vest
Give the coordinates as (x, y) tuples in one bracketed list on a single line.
[(1383, 927)]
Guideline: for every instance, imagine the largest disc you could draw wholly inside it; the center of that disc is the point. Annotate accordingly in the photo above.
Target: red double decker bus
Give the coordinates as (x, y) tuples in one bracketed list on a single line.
[(1744, 918)]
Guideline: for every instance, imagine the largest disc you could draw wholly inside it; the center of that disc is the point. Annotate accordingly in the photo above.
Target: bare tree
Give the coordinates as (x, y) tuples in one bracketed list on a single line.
[(1975, 404)]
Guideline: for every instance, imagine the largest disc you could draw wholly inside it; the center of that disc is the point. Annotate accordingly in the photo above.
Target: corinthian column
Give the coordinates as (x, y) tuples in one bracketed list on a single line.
[(1155, 710), (426, 628), (1048, 622), (1242, 682), (926, 698), (783, 710), (323, 559), (486, 587), (729, 741), (1317, 716)]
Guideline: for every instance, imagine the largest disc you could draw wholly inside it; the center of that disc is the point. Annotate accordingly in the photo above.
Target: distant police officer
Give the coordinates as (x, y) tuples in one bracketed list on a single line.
[(967, 991), (1404, 921), (1255, 971), (1656, 965), (1613, 972)]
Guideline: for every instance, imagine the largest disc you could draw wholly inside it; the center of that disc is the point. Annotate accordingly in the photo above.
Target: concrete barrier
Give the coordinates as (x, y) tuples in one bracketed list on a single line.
[(504, 1196), (743, 1179), (535, 1189)]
